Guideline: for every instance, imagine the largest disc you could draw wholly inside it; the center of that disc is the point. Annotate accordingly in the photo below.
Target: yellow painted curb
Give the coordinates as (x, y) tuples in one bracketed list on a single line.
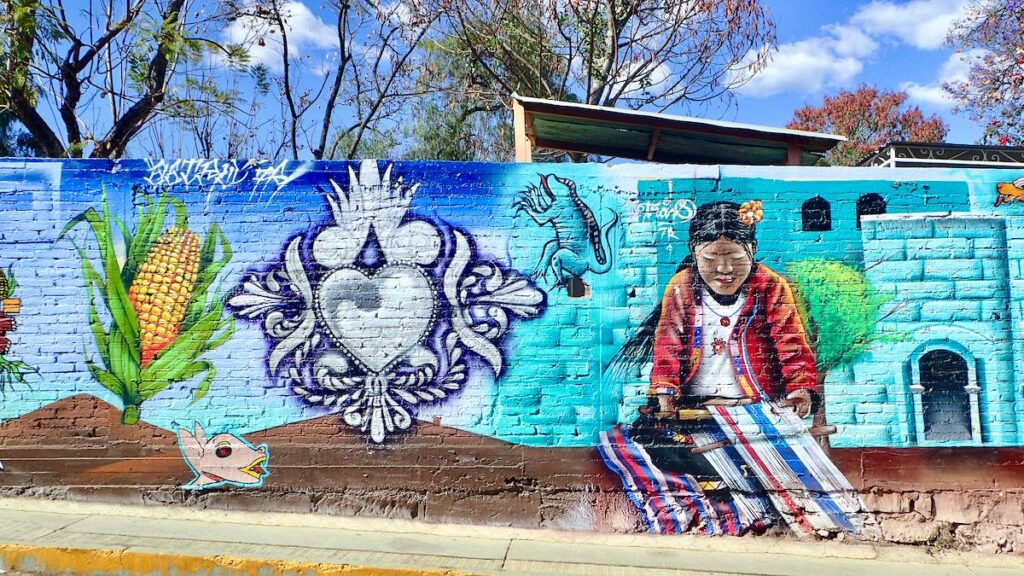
[(99, 561)]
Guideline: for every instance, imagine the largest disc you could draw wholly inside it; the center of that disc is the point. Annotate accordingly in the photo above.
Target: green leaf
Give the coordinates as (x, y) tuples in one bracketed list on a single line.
[(12, 284), (208, 271), (182, 373), (94, 282), (180, 212), (149, 220), (126, 235), (115, 294), (92, 217), (185, 349), (204, 385), (122, 362), (107, 380), (227, 328)]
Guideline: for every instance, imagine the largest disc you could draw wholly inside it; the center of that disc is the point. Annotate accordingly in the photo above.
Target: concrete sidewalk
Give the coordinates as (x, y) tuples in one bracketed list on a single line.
[(53, 536)]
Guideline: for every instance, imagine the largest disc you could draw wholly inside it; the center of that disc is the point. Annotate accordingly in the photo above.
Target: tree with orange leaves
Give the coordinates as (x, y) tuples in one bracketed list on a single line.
[(870, 118)]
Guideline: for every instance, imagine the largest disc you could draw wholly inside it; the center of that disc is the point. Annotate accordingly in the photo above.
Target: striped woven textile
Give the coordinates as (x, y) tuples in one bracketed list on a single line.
[(670, 503), (747, 494), (799, 479)]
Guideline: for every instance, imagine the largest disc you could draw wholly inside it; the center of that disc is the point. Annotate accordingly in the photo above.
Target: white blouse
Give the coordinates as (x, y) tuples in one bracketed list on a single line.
[(716, 375)]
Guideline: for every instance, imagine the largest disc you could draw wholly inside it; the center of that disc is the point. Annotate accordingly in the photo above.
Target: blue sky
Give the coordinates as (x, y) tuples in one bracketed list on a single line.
[(828, 45), (823, 46)]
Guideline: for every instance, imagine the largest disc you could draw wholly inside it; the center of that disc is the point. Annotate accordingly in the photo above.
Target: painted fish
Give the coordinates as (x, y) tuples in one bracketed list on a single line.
[(223, 459), (1010, 191)]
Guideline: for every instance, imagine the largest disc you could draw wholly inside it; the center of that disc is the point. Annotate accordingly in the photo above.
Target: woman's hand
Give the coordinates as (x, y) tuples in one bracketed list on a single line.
[(800, 400), (666, 404)]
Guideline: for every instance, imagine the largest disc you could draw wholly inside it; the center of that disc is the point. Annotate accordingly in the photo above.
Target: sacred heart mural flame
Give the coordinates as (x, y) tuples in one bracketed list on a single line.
[(383, 312)]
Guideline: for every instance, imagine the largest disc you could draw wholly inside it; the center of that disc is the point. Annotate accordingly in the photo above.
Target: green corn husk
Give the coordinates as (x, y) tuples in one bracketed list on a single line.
[(205, 327)]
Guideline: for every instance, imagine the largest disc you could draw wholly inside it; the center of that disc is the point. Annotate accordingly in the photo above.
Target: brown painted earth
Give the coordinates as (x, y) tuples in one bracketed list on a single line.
[(78, 448)]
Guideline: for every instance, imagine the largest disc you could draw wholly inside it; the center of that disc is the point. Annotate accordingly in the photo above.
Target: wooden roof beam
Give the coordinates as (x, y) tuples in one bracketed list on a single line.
[(654, 144)]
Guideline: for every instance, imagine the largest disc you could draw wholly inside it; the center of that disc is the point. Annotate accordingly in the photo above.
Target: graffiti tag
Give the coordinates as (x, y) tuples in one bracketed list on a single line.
[(666, 213), (278, 175), (221, 174), (208, 173)]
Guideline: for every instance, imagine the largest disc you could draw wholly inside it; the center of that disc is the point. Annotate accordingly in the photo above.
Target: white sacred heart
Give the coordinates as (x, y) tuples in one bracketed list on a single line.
[(377, 318)]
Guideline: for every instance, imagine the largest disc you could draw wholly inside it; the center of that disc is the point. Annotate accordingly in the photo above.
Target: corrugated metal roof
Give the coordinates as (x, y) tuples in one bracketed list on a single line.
[(663, 138)]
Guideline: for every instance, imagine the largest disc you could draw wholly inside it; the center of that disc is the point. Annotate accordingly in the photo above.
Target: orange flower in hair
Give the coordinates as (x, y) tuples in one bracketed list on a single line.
[(751, 212)]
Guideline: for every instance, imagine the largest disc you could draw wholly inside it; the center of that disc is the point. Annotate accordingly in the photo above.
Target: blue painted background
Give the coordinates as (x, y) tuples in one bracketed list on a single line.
[(951, 266)]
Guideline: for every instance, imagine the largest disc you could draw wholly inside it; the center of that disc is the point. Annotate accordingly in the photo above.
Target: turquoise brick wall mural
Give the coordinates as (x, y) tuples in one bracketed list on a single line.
[(708, 349)]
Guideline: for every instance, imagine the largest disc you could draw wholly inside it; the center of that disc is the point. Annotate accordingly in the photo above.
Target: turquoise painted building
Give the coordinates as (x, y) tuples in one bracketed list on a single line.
[(947, 261), (948, 375)]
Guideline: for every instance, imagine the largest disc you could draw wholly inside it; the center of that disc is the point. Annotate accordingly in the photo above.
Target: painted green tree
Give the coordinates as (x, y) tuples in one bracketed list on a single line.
[(840, 310)]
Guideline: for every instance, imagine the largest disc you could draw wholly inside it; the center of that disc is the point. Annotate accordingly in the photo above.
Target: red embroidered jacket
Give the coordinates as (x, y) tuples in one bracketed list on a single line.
[(768, 343)]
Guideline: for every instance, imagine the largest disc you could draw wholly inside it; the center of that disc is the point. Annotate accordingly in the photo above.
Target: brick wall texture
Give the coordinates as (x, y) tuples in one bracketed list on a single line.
[(474, 343)]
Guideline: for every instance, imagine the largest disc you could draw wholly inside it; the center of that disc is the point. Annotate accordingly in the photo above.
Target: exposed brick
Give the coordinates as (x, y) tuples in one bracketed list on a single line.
[(511, 441)]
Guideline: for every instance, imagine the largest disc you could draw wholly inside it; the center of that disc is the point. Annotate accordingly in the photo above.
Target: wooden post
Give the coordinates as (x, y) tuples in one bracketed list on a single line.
[(653, 145), (524, 148), (792, 154)]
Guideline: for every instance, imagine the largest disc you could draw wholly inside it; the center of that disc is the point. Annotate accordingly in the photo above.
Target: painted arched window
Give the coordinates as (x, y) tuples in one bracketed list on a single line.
[(945, 402), (869, 204), (817, 215)]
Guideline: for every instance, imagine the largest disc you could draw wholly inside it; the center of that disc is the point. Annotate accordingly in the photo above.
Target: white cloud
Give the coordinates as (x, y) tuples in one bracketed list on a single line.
[(920, 23), (807, 66), (306, 32), (836, 56), (851, 41), (955, 69)]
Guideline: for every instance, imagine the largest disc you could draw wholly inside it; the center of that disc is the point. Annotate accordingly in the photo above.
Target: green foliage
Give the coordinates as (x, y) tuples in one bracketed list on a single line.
[(18, 27), (11, 371), (14, 141), (372, 144), (204, 328), (840, 308), (12, 284), (150, 51), (462, 116)]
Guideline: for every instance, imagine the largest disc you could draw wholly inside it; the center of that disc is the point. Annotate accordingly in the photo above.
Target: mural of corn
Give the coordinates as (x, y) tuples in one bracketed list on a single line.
[(162, 289), (163, 315), (11, 371)]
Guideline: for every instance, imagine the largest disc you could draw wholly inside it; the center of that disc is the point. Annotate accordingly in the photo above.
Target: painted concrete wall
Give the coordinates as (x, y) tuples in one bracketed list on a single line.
[(407, 339)]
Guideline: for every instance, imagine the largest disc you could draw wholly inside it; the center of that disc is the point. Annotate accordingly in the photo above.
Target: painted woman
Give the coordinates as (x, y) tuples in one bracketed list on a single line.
[(729, 325), (728, 330)]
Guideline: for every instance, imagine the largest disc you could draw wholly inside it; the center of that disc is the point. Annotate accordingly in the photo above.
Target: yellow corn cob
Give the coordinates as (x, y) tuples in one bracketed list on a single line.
[(162, 289), (3, 284)]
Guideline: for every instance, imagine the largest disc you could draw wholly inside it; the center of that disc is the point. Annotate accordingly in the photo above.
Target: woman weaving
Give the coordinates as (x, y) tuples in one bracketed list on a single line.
[(728, 332)]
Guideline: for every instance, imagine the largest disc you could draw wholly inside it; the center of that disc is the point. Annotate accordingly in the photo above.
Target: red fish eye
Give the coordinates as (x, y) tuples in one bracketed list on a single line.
[(223, 451)]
